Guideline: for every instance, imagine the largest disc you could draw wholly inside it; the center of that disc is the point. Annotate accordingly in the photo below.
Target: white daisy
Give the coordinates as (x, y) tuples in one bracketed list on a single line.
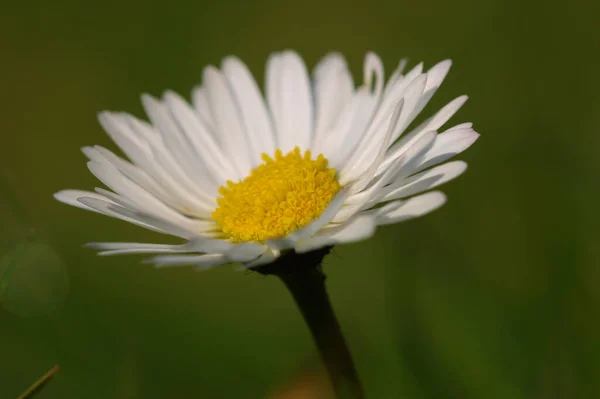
[(241, 179)]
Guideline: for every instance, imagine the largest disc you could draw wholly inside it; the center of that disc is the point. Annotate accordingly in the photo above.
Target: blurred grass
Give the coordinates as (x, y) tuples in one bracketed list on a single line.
[(495, 295)]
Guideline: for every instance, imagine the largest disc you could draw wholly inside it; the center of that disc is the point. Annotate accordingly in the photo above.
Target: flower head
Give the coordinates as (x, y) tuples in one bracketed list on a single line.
[(242, 179)]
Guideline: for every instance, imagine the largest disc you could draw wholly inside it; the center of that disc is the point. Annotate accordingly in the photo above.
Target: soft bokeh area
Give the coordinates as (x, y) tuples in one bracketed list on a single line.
[(496, 295)]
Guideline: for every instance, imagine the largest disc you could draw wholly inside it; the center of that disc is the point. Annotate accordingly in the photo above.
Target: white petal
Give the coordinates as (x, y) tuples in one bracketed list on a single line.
[(143, 200), (202, 262), (97, 203), (423, 181), (137, 175), (273, 93), (435, 77), (359, 228), (354, 128), (144, 146), (126, 248), (396, 75), (234, 252), (461, 126), (371, 133), (252, 107), (410, 75), (70, 197), (403, 88), (369, 149), (373, 73), (389, 207), (290, 99), (142, 219), (437, 74), (339, 143), (399, 169), (447, 145), (313, 243), (200, 102), (438, 120), (117, 198), (212, 245), (412, 97), (402, 167), (133, 251), (333, 87), (246, 252), (269, 256), (204, 145), (204, 228), (227, 118), (173, 178), (135, 148), (433, 123), (172, 137), (414, 207), (351, 172), (413, 156)]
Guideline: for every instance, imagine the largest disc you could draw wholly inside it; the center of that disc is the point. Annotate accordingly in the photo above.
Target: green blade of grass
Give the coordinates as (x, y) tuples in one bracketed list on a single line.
[(39, 384)]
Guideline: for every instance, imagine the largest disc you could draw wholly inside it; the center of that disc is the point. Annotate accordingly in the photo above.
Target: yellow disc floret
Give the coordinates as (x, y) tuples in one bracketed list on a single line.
[(280, 196)]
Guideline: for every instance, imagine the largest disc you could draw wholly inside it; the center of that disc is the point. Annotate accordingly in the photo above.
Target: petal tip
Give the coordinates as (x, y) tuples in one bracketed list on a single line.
[(60, 195)]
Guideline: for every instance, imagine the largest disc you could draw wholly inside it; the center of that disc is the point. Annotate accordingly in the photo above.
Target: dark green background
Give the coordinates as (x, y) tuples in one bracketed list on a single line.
[(496, 295)]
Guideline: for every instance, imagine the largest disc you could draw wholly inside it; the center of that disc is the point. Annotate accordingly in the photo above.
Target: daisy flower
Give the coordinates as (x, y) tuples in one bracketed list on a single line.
[(244, 178)]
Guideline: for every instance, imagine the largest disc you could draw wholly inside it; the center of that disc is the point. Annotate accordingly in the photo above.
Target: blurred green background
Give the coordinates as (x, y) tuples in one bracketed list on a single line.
[(496, 295)]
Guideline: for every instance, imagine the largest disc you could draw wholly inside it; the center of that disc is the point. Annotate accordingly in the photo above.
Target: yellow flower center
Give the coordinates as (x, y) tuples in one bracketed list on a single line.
[(280, 196)]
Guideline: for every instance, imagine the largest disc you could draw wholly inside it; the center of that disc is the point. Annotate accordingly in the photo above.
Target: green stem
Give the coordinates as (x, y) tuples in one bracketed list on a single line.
[(303, 276)]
